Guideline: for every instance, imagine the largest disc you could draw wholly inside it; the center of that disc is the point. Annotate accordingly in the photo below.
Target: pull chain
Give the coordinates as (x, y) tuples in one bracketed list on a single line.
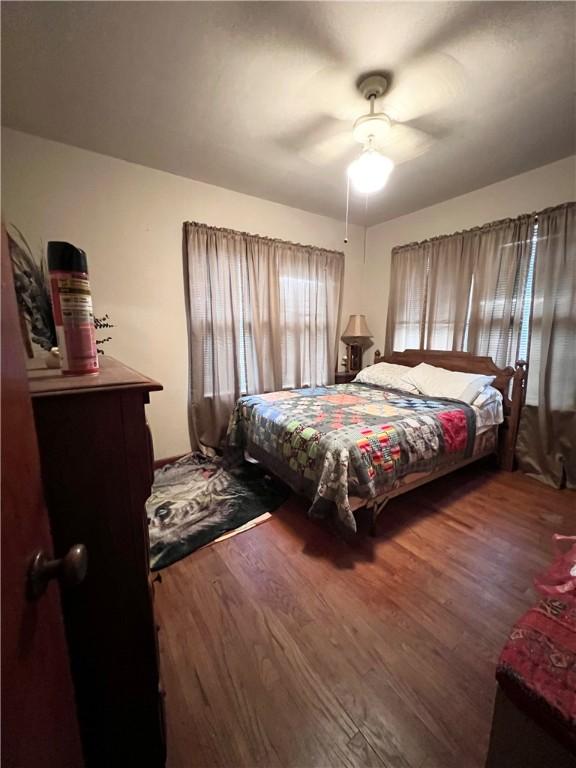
[(365, 227), (347, 208)]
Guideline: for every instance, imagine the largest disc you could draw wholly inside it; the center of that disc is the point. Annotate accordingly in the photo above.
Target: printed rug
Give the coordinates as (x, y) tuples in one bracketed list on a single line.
[(199, 498)]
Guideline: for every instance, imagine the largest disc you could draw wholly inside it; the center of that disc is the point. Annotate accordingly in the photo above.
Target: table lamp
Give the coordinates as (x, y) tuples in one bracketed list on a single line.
[(356, 336)]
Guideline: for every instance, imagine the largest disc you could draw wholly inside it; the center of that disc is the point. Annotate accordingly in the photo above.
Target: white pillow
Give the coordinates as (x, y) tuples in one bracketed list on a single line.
[(487, 395), (387, 375), (438, 382)]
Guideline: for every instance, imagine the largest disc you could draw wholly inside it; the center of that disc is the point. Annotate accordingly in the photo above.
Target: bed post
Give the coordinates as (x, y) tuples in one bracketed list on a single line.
[(508, 445)]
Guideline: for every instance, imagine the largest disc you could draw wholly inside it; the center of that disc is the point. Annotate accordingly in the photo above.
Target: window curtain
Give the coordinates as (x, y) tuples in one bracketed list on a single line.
[(501, 256), (426, 310), (263, 315), (546, 446), (407, 303), (462, 291)]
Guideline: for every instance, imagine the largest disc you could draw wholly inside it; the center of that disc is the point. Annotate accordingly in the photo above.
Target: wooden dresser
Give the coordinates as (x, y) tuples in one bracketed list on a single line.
[(97, 468)]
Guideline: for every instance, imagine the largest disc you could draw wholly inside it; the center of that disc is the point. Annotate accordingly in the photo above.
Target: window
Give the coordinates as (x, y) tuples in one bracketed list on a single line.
[(470, 291), (263, 316), (505, 309), (305, 338), (523, 349), (228, 332)]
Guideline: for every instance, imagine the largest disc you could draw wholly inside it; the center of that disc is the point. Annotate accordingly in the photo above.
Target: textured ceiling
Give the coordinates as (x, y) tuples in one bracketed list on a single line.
[(238, 94)]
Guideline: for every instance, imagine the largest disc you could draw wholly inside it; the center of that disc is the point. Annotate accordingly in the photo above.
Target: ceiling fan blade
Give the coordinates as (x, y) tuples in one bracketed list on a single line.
[(330, 149), (428, 85), (403, 142), (332, 91), (310, 132)]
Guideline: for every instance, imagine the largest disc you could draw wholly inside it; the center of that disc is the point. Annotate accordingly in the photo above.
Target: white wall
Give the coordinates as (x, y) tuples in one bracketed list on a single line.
[(532, 191), (128, 219)]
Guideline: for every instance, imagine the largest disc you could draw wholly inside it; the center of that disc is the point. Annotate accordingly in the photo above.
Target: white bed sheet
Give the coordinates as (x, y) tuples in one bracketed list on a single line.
[(489, 415)]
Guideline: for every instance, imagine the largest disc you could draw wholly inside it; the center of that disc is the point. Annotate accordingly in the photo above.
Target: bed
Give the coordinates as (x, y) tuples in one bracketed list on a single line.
[(358, 445)]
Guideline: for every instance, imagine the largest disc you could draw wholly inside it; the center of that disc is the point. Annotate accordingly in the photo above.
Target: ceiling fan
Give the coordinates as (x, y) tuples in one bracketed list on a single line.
[(369, 172), (387, 131), (383, 140)]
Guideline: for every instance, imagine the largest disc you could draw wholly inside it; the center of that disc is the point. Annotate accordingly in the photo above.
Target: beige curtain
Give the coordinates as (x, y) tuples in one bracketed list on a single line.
[(428, 281), (450, 269), (407, 302), (462, 291), (546, 446), (501, 257), (263, 315)]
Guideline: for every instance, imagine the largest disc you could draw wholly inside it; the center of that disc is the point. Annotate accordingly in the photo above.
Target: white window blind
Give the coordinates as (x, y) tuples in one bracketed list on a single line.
[(409, 291), (523, 349), (304, 305)]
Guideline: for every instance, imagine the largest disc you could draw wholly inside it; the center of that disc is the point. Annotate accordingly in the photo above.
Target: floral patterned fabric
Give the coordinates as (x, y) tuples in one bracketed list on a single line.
[(329, 442)]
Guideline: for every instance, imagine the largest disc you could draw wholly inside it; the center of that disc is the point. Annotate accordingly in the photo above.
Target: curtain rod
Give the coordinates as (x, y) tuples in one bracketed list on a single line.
[(188, 225), (523, 217)]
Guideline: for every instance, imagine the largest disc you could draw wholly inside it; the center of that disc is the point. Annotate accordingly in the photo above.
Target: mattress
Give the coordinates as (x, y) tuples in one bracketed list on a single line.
[(330, 443)]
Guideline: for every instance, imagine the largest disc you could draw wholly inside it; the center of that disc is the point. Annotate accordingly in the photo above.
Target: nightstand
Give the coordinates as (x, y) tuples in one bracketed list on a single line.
[(344, 377)]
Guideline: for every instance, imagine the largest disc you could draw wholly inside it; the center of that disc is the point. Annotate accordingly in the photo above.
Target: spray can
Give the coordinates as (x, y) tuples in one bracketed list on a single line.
[(72, 308)]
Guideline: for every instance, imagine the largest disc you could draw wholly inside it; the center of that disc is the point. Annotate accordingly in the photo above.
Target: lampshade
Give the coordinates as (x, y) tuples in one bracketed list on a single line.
[(370, 172), (357, 330)]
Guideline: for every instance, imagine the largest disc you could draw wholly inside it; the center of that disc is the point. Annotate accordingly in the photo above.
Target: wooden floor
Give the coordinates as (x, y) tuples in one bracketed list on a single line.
[(288, 645)]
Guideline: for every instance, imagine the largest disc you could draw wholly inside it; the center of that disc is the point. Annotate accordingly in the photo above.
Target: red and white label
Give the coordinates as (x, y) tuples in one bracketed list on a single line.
[(74, 320)]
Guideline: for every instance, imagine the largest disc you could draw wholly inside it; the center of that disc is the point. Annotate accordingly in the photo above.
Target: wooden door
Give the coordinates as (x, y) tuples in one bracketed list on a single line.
[(39, 725)]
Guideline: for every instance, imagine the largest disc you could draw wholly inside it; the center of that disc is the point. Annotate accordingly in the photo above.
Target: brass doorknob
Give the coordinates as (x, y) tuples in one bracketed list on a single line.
[(70, 569)]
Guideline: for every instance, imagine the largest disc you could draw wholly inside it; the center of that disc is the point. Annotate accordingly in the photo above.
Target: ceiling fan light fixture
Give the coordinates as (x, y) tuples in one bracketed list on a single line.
[(370, 172)]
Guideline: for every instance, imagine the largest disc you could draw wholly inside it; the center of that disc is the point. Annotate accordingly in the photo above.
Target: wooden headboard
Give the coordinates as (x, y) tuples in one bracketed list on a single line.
[(511, 382)]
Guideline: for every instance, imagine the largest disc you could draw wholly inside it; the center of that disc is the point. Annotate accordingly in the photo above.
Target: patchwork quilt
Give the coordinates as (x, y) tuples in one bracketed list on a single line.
[(350, 439)]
